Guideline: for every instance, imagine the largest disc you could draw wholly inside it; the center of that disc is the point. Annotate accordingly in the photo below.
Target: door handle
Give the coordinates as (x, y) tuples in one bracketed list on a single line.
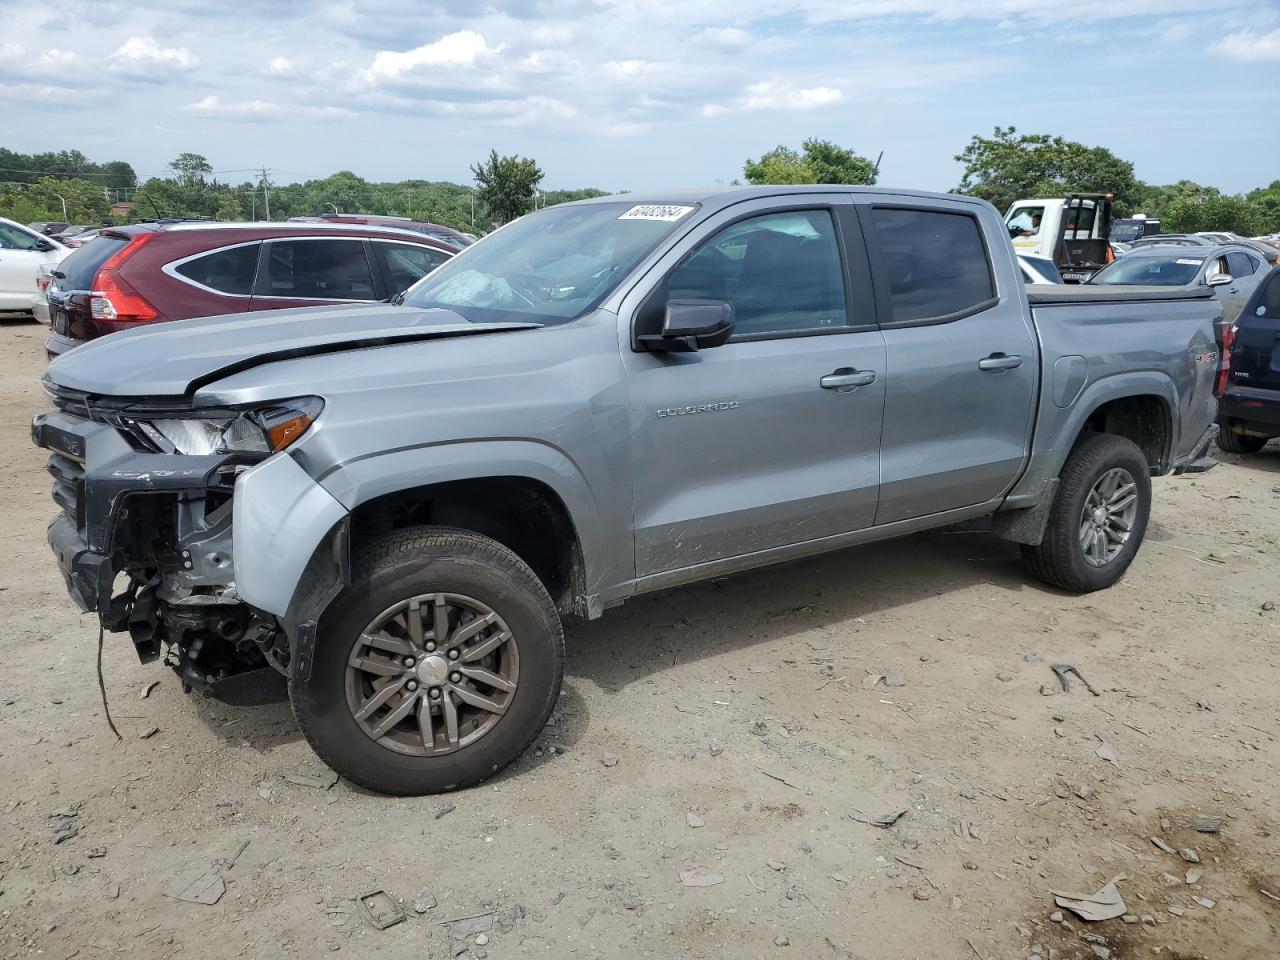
[(847, 377), (1000, 361)]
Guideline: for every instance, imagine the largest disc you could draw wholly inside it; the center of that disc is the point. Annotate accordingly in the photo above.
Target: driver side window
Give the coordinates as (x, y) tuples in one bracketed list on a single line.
[(780, 271), (11, 238)]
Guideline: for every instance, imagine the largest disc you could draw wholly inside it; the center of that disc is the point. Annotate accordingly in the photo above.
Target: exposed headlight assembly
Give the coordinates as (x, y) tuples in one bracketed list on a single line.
[(262, 430)]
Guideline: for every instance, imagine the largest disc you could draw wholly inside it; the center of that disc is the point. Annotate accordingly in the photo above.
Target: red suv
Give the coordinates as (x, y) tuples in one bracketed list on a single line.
[(174, 270)]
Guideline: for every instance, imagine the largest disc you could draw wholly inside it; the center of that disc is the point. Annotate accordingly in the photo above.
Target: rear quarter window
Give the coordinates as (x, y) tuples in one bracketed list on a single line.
[(230, 270), (935, 263)]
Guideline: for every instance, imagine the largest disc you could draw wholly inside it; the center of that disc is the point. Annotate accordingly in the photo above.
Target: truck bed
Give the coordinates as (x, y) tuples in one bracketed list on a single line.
[(1044, 294)]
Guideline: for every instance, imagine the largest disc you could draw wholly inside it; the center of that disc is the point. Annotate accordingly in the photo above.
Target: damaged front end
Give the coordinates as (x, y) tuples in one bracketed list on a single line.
[(144, 539)]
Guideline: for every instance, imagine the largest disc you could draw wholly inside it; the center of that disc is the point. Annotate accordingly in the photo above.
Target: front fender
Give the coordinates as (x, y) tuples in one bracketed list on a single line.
[(367, 478), (280, 515)]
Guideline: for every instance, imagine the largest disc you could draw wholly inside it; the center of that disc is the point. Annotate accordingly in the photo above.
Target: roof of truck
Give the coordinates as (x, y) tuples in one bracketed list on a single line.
[(724, 196)]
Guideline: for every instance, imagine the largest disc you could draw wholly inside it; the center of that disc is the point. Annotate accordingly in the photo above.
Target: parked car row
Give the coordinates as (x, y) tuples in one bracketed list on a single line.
[(175, 270)]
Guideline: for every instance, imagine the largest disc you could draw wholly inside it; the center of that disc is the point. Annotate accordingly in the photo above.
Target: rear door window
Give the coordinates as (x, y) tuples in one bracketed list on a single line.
[(229, 270), (935, 263), (407, 263), (316, 269), (11, 238), (1240, 265)]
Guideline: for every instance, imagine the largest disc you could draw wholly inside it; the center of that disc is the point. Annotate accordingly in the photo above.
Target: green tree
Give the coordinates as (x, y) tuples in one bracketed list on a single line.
[(820, 162), (779, 165), (344, 190), (229, 207), (190, 169), (85, 202), (1007, 167), (505, 185), (1191, 208)]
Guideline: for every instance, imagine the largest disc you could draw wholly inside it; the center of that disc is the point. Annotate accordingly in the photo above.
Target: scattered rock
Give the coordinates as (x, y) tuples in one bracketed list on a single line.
[(1205, 902), (482, 939), (1177, 911), (424, 901), (781, 940), (894, 681), (1148, 920), (1269, 605), (884, 820), (717, 748), (777, 865), (312, 775), (609, 759), (1206, 824), (1193, 875), (71, 810), (198, 882), (447, 809), (1048, 691), (97, 852), (1129, 918), (1106, 752), (760, 728), (148, 733), (871, 679), (1004, 677), (1189, 855), (147, 688), (1162, 845), (694, 821), (920, 893), (1031, 658), (1169, 880), (699, 877), (1060, 791), (464, 928), (1082, 790), (65, 831), (1056, 917), (968, 793)]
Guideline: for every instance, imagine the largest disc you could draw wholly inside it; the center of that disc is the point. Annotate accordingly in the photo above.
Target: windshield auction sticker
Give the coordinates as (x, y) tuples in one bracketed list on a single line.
[(668, 212), (1191, 263)]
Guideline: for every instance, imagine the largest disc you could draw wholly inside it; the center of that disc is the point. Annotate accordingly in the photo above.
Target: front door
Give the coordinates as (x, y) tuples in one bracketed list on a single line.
[(773, 438), (962, 360), (18, 261)]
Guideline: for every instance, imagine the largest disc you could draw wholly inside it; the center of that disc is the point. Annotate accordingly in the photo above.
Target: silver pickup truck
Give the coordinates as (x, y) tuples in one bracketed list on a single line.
[(392, 505)]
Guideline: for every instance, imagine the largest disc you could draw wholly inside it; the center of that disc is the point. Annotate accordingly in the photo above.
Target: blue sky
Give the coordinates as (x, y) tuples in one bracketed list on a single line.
[(640, 94)]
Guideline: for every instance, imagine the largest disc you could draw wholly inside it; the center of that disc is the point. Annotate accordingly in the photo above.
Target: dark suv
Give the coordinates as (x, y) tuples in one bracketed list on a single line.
[(175, 270), (1249, 405)]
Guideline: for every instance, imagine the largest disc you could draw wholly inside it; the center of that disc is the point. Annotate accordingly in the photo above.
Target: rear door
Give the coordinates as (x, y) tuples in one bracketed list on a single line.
[(1255, 355), (18, 260), (962, 364), (301, 271), (1244, 280)]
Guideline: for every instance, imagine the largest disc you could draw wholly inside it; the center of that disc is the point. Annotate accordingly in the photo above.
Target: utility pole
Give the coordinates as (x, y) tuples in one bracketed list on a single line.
[(64, 204), (265, 183)]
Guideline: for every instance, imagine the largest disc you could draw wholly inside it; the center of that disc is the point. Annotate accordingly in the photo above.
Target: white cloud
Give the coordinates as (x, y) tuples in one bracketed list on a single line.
[(635, 69), (213, 104), (1249, 45), (280, 67), (328, 113), (726, 38), (777, 95), (11, 50), (1174, 33), (143, 57), (53, 57), (461, 49)]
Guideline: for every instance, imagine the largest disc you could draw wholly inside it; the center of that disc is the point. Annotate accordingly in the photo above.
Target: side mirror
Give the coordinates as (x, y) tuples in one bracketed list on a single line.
[(1218, 279), (691, 325)]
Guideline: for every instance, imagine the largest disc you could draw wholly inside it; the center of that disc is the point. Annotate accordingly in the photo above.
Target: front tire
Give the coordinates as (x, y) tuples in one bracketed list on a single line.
[(1099, 516), (435, 668), (1233, 442)]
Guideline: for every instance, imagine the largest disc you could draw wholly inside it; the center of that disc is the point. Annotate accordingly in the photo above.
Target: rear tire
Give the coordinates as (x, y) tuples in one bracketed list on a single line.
[(1233, 442), (1086, 550), (455, 710)]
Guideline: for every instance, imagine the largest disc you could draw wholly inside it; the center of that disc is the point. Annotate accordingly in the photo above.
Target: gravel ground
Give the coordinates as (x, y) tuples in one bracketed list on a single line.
[(704, 788)]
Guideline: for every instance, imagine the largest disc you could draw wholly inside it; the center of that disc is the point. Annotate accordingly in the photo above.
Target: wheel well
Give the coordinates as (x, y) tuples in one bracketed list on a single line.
[(523, 515), (1143, 419)]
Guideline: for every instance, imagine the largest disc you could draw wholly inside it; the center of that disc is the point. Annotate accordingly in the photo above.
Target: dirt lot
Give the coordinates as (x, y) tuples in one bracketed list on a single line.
[(750, 746)]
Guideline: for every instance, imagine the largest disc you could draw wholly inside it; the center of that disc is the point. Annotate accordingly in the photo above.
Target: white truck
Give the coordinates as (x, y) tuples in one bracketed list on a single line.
[(1072, 231)]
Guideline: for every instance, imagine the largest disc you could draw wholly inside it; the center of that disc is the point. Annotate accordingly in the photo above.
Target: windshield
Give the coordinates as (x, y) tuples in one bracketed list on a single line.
[(1024, 221), (548, 267), (1122, 232), (1157, 271)]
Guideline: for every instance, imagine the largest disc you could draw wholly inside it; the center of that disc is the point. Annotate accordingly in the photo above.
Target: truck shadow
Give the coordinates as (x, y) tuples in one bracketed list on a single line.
[(651, 634), (1267, 460)]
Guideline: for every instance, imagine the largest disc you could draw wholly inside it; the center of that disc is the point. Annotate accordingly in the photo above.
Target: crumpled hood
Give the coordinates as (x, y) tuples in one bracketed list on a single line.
[(173, 359)]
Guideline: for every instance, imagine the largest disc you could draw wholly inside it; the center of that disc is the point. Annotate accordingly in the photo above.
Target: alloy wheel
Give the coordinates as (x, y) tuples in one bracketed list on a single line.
[(1106, 521)]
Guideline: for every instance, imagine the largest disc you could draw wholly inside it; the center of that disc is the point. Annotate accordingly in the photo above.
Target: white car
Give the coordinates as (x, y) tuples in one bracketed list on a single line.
[(24, 254)]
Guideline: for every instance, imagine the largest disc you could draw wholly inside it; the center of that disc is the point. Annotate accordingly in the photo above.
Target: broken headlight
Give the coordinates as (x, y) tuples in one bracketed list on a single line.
[(262, 430)]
